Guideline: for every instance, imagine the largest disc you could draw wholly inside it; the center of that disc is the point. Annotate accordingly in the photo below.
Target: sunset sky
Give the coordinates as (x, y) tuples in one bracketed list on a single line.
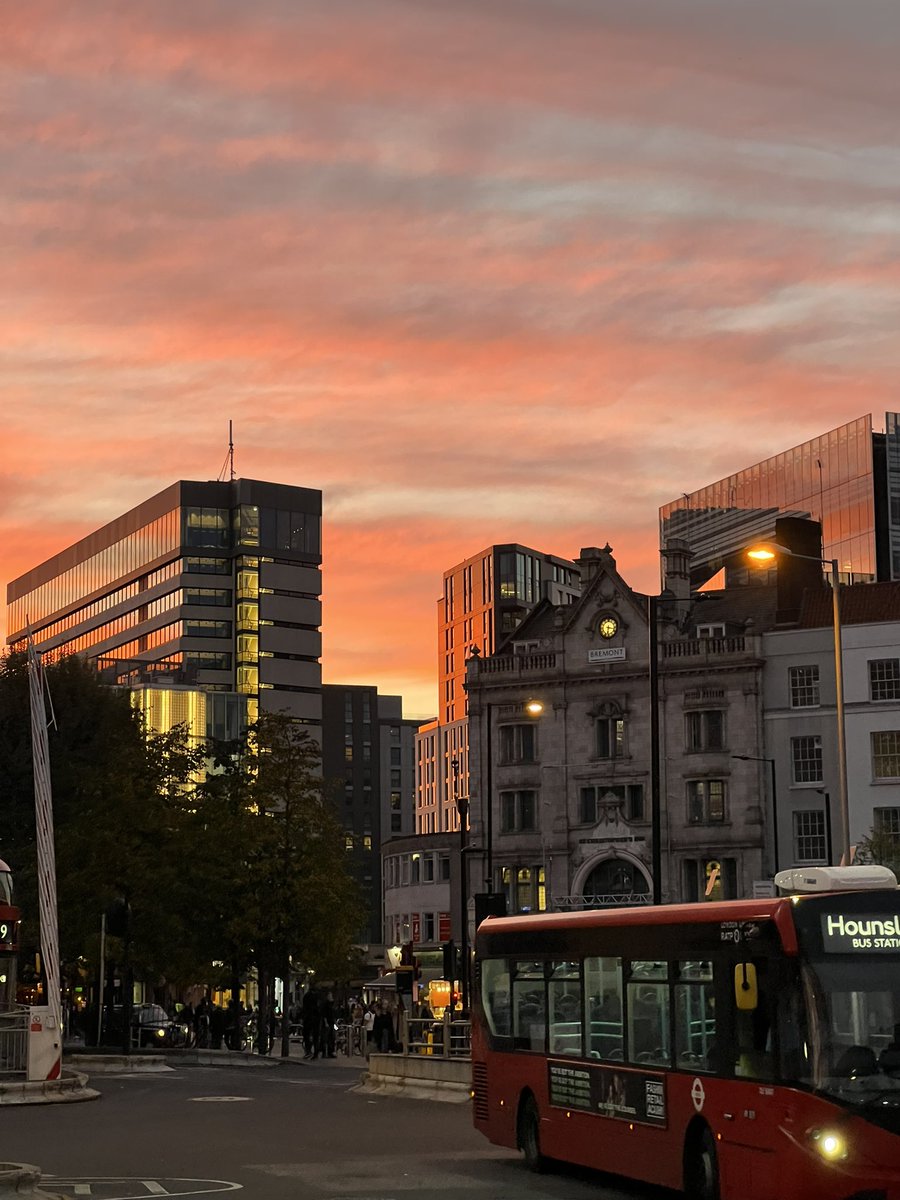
[(482, 270)]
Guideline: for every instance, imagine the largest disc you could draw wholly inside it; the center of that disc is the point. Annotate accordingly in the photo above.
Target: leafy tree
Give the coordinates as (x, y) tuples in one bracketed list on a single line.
[(274, 877), (879, 847), (117, 800)]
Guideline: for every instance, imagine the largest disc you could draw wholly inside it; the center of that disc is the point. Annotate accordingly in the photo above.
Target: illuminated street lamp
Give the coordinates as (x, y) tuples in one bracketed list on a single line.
[(766, 553)]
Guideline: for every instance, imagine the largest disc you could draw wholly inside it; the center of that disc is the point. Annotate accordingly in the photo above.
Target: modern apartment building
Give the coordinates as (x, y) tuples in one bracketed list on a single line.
[(484, 599), (848, 479), (207, 587), (369, 771)]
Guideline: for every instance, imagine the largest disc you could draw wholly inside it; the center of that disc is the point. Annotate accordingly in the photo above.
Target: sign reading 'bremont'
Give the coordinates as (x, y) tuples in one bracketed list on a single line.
[(606, 654)]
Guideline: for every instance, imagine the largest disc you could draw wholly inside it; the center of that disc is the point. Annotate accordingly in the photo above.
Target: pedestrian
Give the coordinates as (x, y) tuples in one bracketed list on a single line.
[(232, 1024), (310, 1012), (368, 1025), (216, 1027), (382, 1029), (327, 1013)]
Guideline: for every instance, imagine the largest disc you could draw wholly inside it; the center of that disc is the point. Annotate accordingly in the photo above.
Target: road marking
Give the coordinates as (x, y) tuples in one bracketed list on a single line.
[(123, 1187), (218, 1099)]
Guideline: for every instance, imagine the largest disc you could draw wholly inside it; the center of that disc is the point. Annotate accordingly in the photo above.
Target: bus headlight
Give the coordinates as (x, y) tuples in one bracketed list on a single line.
[(830, 1144)]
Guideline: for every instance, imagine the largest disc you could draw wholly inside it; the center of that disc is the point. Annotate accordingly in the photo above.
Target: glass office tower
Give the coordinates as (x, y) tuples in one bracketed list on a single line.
[(207, 586), (848, 478)]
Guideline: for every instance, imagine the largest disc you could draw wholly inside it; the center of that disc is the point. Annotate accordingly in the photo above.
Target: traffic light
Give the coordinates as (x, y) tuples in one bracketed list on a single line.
[(451, 960), (489, 904), (407, 969)]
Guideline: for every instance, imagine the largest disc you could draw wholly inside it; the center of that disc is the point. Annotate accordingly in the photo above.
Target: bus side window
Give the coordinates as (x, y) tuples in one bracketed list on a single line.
[(495, 995), (529, 1006), (648, 1014), (695, 1017), (564, 994), (603, 1003)]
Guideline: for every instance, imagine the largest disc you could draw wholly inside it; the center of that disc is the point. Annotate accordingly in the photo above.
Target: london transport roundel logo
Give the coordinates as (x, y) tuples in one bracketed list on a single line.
[(698, 1094)]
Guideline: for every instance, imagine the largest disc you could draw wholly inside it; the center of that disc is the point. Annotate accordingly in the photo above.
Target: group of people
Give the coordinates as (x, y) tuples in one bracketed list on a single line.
[(211, 1027), (317, 1017)]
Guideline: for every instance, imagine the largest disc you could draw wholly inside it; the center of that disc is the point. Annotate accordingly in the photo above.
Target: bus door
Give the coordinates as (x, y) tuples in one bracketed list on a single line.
[(751, 1114)]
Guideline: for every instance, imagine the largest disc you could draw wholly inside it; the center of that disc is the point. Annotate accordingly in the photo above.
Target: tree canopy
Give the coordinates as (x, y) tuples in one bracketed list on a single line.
[(241, 865)]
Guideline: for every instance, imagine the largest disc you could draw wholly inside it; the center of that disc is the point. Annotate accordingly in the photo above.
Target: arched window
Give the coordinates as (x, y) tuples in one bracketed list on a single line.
[(614, 878)]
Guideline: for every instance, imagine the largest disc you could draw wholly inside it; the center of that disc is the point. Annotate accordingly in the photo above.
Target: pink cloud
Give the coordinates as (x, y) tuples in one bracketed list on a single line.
[(514, 275)]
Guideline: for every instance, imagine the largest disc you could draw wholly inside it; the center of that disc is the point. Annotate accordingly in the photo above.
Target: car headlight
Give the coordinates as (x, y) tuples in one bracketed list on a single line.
[(160, 1033), (830, 1144)]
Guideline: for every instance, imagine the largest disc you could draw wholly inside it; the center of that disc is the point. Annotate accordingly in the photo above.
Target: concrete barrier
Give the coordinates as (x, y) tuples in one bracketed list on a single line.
[(419, 1076), (22, 1180), (69, 1088), (166, 1060)]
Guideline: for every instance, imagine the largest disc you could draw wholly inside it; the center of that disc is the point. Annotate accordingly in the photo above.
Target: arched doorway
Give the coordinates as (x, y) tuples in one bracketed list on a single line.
[(615, 880)]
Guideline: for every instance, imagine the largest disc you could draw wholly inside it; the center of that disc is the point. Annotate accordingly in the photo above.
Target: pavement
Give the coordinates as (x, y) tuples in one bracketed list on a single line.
[(108, 1061), (81, 1062)]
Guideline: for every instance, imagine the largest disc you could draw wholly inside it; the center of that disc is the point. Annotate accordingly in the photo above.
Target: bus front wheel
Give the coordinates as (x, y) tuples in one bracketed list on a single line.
[(702, 1174), (530, 1136)]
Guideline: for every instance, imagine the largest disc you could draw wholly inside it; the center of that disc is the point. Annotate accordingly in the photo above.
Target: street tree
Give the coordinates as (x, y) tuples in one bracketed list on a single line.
[(118, 795), (275, 876)]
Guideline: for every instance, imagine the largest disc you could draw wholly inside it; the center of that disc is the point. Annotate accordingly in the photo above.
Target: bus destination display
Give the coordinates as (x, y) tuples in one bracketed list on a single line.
[(860, 932), (628, 1095)]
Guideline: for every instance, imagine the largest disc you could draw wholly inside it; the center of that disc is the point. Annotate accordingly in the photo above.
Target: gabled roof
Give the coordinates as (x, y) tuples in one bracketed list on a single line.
[(605, 569)]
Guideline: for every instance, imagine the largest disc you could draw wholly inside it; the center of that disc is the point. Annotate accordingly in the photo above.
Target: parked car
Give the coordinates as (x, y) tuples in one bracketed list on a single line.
[(151, 1025)]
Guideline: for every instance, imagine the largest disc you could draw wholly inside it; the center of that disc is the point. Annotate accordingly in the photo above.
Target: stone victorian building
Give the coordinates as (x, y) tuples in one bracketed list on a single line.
[(561, 754)]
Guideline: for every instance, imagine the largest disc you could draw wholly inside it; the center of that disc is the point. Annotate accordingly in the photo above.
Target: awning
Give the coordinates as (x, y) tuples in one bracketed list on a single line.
[(426, 974)]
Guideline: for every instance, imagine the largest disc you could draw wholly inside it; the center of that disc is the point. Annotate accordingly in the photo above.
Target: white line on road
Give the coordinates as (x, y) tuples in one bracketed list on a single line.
[(155, 1188)]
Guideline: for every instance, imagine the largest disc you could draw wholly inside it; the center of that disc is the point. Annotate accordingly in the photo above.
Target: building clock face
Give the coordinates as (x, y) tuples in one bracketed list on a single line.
[(609, 627)]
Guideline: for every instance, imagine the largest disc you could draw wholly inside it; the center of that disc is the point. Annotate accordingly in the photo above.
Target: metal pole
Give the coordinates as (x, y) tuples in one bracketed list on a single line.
[(463, 915), (102, 996), (829, 848), (488, 800), (775, 854), (462, 807), (839, 705), (655, 812)]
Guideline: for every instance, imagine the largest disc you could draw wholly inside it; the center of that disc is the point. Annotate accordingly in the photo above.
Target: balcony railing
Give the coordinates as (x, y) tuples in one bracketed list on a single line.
[(517, 664), (612, 900), (705, 647)]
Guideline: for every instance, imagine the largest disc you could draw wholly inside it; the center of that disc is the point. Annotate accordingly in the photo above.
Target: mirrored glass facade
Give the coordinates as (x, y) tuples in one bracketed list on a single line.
[(170, 588), (838, 478)]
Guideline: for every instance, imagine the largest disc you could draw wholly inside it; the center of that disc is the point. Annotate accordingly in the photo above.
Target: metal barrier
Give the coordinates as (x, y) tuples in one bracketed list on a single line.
[(14, 1022), (441, 1039)]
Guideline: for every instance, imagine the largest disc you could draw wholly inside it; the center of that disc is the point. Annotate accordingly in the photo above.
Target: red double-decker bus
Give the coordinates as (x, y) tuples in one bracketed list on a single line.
[(9, 939), (737, 1049)]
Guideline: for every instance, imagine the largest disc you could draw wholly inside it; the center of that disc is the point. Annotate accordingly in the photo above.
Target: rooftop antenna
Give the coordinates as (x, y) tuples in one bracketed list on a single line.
[(228, 464)]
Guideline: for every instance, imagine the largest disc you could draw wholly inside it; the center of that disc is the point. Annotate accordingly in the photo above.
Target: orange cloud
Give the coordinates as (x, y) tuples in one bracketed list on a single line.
[(502, 275)]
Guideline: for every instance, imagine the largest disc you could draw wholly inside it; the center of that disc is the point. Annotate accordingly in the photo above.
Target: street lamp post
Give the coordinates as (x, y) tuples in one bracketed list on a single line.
[(774, 795), (462, 807), (766, 553), (655, 804)]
